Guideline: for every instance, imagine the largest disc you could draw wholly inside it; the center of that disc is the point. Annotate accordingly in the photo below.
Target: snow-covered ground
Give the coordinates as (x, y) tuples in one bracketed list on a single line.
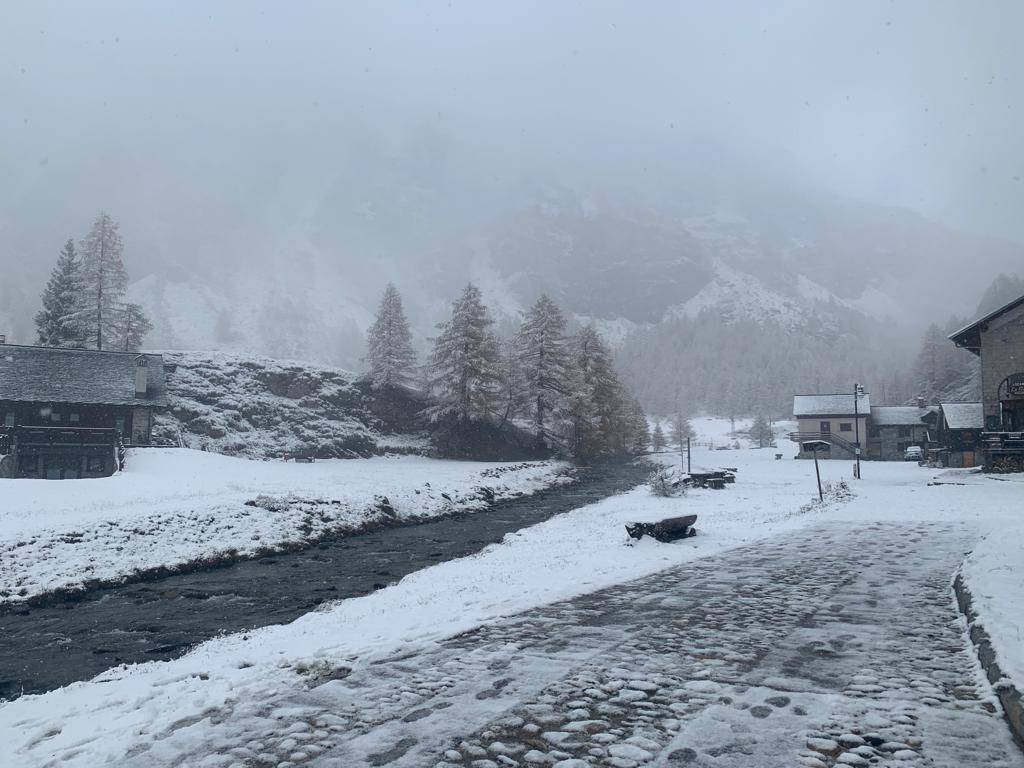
[(994, 573), (174, 506), (91, 722)]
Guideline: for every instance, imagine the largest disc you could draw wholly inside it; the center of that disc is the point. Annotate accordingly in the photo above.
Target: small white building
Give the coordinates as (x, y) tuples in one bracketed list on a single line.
[(840, 419)]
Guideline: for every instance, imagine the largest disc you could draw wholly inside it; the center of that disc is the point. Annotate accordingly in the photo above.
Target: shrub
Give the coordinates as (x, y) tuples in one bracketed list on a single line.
[(666, 482)]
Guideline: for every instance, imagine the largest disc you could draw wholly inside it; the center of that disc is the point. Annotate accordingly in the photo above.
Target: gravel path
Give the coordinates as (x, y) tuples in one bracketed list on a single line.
[(835, 646)]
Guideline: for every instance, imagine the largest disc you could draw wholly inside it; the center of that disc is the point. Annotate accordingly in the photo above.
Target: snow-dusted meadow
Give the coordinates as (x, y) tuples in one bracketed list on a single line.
[(171, 507), (91, 722)]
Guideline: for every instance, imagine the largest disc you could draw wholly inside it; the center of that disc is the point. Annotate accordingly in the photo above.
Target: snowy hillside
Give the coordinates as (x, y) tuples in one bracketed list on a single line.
[(258, 407)]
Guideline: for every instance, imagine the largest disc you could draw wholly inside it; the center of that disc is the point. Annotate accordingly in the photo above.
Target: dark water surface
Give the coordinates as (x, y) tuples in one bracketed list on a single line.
[(46, 647)]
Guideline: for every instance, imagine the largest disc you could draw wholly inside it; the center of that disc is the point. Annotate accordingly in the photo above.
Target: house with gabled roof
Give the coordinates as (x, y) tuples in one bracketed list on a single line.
[(959, 434), (998, 339), (66, 413), (838, 419), (894, 428)]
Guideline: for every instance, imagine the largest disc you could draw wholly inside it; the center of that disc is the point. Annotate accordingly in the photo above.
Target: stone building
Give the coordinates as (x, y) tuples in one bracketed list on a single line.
[(894, 428), (998, 339), (65, 413)]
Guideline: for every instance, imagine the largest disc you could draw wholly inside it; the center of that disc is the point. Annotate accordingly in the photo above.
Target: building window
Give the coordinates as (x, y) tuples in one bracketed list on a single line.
[(73, 418), (874, 432), (826, 426), (845, 426), (9, 419), (119, 424), (904, 432), (54, 416)]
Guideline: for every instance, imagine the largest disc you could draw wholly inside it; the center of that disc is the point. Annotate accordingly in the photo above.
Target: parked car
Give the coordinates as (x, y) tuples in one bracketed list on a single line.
[(913, 453)]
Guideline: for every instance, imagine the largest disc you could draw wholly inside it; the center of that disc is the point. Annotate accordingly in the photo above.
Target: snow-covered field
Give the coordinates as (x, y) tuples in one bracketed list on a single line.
[(92, 722), (171, 507)]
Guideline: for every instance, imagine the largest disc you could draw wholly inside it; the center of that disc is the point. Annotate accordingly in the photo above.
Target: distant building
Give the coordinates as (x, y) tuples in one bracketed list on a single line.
[(66, 412), (894, 428), (838, 419), (959, 434), (998, 338)]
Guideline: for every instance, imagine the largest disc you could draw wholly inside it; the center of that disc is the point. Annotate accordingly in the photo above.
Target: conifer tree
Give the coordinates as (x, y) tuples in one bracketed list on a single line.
[(134, 327), (596, 401), (637, 432), (543, 357), (101, 308), (658, 438), (390, 354), (511, 380), (681, 430), (761, 431), (55, 323), (464, 369)]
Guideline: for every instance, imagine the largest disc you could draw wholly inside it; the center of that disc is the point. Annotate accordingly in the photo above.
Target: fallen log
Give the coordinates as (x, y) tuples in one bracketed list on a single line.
[(669, 529)]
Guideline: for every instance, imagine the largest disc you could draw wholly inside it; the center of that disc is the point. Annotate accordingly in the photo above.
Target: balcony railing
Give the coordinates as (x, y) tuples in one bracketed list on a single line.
[(1003, 443)]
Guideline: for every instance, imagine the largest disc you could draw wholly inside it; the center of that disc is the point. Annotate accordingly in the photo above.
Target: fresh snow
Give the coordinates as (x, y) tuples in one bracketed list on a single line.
[(994, 573), (90, 723), (174, 506)]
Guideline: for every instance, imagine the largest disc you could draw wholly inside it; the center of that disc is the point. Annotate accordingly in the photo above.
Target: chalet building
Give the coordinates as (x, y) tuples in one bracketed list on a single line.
[(841, 420), (959, 434), (894, 428), (66, 413), (998, 339)]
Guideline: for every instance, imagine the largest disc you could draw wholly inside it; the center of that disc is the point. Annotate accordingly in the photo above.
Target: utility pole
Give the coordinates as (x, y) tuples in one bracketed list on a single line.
[(857, 389), (688, 466)]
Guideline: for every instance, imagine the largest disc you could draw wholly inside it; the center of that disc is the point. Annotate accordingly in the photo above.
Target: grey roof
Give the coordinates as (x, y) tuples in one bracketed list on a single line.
[(964, 415), (900, 415), (830, 405), (52, 375)]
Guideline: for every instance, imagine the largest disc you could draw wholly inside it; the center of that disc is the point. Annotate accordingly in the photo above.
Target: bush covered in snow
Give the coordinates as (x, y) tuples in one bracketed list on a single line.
[(666, 482), (258, 407)]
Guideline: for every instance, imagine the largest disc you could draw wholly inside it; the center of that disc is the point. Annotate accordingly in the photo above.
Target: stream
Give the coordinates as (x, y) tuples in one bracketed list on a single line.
[(50, 646)]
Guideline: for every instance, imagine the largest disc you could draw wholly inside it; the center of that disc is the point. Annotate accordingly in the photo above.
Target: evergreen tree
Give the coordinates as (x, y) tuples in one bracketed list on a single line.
[(465, 378), (101, 308), (390, 355), (681, 431), (543, 357), (596, 401), (55, 323), (761, 432), (658, 438), (511, 380), (134, 327), (637, 431)]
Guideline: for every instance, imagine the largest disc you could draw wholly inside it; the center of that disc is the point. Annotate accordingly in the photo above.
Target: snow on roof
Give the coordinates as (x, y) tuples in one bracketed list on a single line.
[(55, 375), (964, 415), (830, 405), (899, 415)]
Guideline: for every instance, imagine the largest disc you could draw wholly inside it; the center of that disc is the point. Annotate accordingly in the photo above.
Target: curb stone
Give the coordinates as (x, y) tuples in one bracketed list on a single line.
[(1009, 696)]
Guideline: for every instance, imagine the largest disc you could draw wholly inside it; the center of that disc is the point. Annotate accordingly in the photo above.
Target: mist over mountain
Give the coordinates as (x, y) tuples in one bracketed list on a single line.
[(271, 172)]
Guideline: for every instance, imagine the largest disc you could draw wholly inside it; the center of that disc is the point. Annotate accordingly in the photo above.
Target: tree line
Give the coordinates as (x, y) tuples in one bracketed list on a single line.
[(85, 300), (560, 388)]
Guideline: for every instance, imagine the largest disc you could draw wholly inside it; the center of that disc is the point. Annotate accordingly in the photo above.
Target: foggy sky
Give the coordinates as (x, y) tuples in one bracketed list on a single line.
[(189, 106)]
